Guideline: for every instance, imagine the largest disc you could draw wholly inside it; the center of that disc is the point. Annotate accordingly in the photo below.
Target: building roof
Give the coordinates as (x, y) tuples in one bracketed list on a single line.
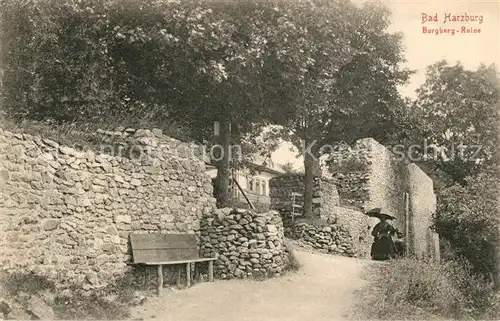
[(269, 167)]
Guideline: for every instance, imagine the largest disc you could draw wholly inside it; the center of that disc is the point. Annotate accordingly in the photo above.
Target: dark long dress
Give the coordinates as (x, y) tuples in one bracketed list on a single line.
[(383, 247)]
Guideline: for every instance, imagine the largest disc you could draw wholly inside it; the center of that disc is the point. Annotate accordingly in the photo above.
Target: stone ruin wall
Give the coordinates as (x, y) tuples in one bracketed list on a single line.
[(66, 214), (424, 242), (247, 244), (389, 178), (340, 230), (369, 175), (359, 227), (325, 195)]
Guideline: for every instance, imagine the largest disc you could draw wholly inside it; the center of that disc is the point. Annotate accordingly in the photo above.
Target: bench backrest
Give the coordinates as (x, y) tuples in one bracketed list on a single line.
[(148, 248)]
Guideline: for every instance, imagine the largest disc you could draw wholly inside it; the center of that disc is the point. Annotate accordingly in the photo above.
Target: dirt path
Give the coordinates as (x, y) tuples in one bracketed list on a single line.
[(322, 290)]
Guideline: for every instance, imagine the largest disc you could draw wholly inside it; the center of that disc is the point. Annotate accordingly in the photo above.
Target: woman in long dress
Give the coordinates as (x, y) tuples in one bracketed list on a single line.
[(383, 247)]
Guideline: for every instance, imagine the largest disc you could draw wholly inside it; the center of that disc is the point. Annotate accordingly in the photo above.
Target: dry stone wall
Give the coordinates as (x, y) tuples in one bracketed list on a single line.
[(328, 238), (369, 175), (359, 227), (377, 178), (387, 182), (349, 168), (325, 194), (247, 244), (66, 214), (343, 231)]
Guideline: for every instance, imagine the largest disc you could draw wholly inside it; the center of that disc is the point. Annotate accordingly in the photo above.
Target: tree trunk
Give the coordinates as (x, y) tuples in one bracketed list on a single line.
[(311, 169), (223, 166)]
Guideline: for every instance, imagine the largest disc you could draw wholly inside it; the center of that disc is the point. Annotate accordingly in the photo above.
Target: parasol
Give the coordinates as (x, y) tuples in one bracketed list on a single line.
[(379, 213)]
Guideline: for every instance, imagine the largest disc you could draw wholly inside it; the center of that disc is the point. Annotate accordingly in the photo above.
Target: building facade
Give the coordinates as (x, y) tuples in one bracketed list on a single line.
[(253, 181)]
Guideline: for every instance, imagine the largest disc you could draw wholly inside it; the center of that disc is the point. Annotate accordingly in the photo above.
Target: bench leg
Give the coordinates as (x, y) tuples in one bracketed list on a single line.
[(178, 276), (197, 272), (188, 275), (160, 279), (211, 271)]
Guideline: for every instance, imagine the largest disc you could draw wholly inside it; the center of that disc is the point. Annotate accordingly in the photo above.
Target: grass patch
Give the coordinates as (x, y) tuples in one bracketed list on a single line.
[(109, 303), (417, 289), (84, 136), (29, 283), (94, 307)]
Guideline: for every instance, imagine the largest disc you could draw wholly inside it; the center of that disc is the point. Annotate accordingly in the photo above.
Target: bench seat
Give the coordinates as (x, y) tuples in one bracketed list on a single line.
[(180, 262), (168, 249)]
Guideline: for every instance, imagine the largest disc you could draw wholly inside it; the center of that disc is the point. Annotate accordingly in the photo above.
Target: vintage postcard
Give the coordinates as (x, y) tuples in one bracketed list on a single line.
[(249, 160)]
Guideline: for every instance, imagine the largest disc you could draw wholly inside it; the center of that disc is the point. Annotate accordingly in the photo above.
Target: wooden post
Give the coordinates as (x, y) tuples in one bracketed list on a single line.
[(244, 194), (211, 271), (188, 275), (160, 279), (178, 276), (407, 237), (196, 272)]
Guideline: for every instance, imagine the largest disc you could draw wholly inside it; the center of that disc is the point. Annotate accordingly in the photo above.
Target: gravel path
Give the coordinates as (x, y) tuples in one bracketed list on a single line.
[(322, 290)]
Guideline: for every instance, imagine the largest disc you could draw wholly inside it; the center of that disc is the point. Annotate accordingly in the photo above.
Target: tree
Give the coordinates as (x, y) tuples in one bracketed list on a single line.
[(193, 62), (338, 71), (288, 168), (326, 70), (456, 116), (467, 217)]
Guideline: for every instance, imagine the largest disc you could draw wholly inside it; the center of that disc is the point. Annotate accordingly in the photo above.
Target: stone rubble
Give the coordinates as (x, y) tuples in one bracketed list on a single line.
[(332, 238), (246, 244)]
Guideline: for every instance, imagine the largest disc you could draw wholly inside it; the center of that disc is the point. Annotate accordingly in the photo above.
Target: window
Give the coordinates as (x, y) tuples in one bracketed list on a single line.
[(250, 183), (264, 187), (258, 187)]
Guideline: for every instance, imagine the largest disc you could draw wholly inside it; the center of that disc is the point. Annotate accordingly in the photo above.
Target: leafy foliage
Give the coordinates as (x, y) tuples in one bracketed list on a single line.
[(340, 74), (337, 70), (288, 168), (456, 116), (467, 217), (313, 66)]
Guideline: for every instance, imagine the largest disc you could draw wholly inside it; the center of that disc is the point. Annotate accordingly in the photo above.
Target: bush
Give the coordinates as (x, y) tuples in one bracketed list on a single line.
[(467, 218), (423, 289)]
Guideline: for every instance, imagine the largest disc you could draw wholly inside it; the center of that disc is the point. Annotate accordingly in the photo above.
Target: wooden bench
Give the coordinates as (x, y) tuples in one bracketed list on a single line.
[(168, 249)]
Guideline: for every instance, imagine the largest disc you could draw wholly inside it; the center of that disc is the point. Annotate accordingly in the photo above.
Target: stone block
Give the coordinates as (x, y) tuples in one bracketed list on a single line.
[(50, 224), (123, 219)]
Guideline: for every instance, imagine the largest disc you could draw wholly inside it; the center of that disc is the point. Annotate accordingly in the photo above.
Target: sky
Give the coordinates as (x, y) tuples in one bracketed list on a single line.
[(424, 49)]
